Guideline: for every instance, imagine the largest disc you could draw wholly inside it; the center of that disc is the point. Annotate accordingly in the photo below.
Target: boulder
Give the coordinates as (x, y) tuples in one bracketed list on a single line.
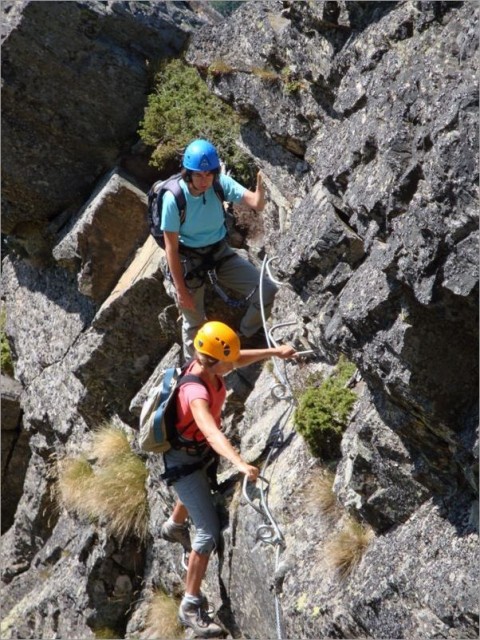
[(61, 132)]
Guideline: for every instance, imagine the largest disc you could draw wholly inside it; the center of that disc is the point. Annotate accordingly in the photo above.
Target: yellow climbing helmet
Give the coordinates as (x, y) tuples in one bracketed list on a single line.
[(218, 341)]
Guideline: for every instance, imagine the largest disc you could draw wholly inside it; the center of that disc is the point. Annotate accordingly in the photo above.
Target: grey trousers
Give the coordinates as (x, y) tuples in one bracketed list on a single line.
[(235, 273), (195, 493)]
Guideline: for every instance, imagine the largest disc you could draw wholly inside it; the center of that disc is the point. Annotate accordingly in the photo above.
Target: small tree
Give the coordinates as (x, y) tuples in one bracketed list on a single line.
[(183, 108), (322, 413)]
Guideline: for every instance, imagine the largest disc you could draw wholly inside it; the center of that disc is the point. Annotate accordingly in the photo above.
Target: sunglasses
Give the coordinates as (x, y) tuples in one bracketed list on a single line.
[(207, 361)]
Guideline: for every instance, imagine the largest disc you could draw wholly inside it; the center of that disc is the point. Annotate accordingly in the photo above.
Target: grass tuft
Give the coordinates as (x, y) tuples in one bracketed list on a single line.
[(162, 621), (109, 442), (74, 482), (118, 496), (345, 549), (321, 494), (112, 491)]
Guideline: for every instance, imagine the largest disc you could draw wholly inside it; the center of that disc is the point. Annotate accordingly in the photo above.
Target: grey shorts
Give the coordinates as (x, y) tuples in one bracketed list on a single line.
[(194, 492)]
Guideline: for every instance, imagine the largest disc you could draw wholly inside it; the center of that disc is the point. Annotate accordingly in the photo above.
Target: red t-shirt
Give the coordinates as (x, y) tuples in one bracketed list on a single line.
[(215, 396)]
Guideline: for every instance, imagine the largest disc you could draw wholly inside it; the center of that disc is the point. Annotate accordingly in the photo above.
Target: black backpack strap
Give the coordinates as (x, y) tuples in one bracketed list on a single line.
[(219, 190), (173, 185), (155, 199), (190, 377)]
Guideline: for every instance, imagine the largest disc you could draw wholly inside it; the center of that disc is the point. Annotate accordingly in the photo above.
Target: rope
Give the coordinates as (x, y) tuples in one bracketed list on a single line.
[(269, 532)]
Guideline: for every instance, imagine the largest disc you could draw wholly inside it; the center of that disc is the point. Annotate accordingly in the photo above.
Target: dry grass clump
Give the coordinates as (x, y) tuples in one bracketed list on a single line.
[(112, 490), (109, 441), (345, 549), (321, 495), (118, 496), (74, 479), (162, 621)]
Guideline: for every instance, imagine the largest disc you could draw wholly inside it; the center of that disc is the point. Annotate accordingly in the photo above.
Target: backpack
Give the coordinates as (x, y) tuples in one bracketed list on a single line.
[(158, 432), (155, 197)]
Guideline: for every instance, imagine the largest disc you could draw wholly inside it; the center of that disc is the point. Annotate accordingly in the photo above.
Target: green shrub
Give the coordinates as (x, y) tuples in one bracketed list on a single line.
[(6, 355), (322, 413), (226, 7), (182, 108), (291, 84)]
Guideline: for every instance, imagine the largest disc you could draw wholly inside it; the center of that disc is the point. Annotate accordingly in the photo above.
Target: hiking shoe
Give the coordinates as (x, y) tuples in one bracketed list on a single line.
[(205, 605), (173, 532), (193, 616)]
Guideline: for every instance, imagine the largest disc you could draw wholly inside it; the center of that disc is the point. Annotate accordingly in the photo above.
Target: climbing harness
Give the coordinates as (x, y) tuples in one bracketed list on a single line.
[(196, 277), (269, 532), (232, 302)]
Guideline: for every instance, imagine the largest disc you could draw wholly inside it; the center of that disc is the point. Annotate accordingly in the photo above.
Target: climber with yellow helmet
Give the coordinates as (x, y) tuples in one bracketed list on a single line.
[(199, 407)]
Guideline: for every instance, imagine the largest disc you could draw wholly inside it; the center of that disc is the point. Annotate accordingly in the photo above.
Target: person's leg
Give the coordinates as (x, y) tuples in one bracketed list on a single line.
[(192, 320), (195, 495), (240, 275), (179, 513), (175, 529), (197, 567)]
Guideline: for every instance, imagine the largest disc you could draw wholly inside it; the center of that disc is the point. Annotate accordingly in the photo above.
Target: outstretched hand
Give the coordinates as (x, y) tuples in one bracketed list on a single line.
[(285, 351)]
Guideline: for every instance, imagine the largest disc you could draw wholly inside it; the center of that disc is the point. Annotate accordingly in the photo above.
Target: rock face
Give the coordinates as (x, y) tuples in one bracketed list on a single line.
[(363, 119), (64, 67), (15, 450)]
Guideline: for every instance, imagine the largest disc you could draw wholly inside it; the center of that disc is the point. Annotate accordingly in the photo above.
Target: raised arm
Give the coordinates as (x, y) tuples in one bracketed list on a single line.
[(255, 199), (249, 356)]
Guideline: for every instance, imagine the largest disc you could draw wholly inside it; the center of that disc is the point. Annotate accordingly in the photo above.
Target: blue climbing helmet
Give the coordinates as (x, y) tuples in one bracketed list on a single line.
[(201, 155)]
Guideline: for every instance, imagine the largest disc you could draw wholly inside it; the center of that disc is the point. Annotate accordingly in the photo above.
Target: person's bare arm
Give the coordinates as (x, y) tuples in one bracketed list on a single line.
[(249, 356), (217, 440), (185, 300), (255, 199)]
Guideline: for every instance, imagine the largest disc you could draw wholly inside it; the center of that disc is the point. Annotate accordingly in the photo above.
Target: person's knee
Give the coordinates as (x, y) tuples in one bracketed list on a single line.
[(205, 542)]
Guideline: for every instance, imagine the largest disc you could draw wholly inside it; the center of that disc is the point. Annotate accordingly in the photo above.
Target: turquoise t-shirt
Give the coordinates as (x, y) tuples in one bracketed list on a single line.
[(204, 220)]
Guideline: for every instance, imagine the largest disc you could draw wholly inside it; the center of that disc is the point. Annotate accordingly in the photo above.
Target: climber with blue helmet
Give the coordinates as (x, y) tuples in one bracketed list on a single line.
[(198, 242)]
